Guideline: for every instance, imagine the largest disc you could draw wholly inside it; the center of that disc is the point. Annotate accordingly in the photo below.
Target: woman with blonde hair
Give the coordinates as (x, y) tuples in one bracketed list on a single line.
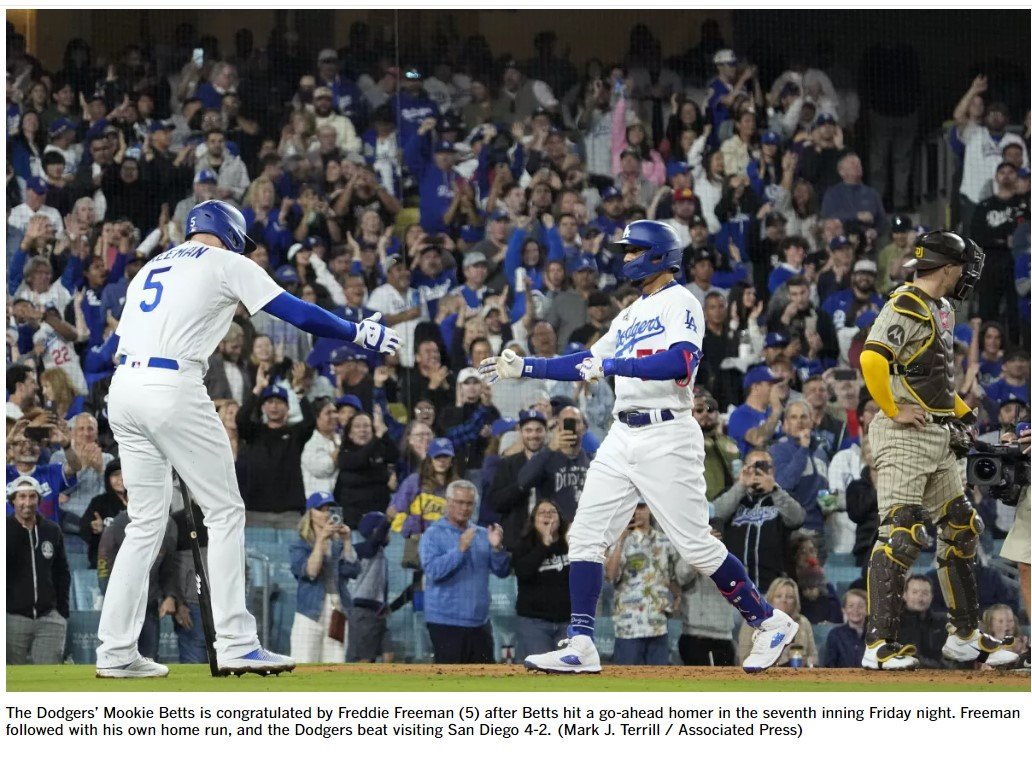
[(58, 389), (783, 594), (262, 218), (322, 559), (227, 409), (297, 135), (999, 621)]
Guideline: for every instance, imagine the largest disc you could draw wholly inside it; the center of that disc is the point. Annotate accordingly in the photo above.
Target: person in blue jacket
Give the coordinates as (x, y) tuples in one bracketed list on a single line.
[(433, 167), (458, 557), (412, 106), (845, 305)]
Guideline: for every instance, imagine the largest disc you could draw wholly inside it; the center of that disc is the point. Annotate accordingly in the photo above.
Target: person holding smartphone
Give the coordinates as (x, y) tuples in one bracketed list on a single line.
[(557, 472)]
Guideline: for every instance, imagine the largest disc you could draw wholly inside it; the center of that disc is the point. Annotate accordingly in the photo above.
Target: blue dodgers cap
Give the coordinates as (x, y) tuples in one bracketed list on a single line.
[(673, 168), (867, 318), (160, 126), (532, 414), (370, 522), (444, 146), (287, 274), (759, 374), (37, 185), (346, 353), (499, 214), (770, 138), (274, 391), (839, 242), (825, 118), (349, 400), (60, 126), (610, 193), (206, 176), (582, 263), (774, 339), (319, 499), (440, 446)]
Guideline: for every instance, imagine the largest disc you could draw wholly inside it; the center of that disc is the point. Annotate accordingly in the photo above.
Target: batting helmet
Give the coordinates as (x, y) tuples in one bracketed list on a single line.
[(940, 248), (222, 220), (661, 249)]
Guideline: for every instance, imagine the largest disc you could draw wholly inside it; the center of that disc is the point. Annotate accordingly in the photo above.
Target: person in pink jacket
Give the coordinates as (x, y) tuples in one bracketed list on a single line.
[(634, 135)]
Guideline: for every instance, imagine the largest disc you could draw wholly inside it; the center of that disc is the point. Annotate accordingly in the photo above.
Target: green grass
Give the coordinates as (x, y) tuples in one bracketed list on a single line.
[(196, 678)]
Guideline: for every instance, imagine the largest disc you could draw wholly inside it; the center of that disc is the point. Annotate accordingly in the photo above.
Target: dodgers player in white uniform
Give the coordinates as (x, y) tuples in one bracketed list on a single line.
[(654, 452), (177, 309)]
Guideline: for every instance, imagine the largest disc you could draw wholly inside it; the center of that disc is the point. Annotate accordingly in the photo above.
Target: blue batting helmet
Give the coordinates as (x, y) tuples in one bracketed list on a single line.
[(661, 251), (222, 220)]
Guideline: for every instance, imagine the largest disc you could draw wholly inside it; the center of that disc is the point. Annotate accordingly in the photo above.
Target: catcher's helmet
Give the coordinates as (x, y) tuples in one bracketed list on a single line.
[(662, 249), (222, 220), (940, 248)]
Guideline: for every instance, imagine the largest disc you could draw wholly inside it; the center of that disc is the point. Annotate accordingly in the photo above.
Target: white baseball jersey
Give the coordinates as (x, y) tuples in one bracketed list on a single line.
[(181, 303), (651, 324)]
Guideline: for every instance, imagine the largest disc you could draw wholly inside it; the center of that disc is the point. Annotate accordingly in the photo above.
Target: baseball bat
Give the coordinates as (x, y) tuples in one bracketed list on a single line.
[(203, 588)]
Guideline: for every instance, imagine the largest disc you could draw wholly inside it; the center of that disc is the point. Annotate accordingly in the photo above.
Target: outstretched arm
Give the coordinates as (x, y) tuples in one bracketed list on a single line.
[(678, 362), (369, 334)]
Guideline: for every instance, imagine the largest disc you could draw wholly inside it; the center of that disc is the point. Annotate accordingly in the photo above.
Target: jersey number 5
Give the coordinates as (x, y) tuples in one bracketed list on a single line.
[(152, 283)]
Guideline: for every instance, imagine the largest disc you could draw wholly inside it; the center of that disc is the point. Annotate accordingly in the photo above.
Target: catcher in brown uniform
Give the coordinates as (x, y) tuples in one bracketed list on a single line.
[(916, 439)]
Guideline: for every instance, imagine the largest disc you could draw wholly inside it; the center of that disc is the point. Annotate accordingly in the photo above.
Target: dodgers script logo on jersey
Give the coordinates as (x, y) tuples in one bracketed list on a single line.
[(637, 332)]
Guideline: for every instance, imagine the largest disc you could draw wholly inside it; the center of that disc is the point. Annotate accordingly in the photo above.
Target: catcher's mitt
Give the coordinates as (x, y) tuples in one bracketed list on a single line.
[(961, 437)]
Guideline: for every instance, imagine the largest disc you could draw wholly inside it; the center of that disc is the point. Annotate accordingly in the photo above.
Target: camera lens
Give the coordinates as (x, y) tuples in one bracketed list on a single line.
[(985, 469)]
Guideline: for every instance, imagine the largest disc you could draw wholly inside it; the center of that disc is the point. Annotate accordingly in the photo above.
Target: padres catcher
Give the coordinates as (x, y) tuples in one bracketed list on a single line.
[(654, 452), (176, 310), (916, 439)]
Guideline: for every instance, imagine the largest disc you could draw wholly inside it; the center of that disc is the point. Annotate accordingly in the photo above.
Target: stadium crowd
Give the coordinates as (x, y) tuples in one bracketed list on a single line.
[(469, 201)]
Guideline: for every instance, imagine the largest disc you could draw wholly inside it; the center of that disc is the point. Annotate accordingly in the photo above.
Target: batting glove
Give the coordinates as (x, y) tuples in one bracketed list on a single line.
[(506, 366), (372, 335), (591, 369)]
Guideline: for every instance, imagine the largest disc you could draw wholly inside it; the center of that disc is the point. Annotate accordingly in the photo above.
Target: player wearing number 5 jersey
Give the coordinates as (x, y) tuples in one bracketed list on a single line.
[(653, 453), (177, 309)]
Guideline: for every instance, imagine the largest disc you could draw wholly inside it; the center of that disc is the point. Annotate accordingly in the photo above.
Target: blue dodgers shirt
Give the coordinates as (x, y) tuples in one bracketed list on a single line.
[(742, 419)]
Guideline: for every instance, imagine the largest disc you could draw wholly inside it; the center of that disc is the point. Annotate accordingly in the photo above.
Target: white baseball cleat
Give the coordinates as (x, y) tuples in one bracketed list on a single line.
[(771, 637), (576, 655), (258, 661), (890, 656), (979, 647), (141, 668)]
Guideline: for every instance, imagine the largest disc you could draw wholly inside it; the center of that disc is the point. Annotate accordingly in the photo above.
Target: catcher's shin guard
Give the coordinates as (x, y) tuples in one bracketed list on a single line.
[(900, 538), (959, 526)]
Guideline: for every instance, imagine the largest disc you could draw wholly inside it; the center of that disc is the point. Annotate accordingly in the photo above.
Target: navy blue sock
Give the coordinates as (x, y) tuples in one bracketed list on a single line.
[(734, 584), (585, 587)]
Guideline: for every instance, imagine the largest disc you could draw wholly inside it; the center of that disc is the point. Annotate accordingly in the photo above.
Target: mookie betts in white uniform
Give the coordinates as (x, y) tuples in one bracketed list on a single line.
[(653, 453), (177, 309)]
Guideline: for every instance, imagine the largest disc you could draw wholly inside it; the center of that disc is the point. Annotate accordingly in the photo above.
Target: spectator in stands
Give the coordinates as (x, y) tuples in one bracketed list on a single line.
[(721, 451), (27, 440), (793, 252), (365, 461), (983, 148), (819, 160), (921, 627), (204, 183), (753, 423), (641, 565), (473, 413), (428, 379), (756, 518), (1000, 621), (801, 464), (818, 600), (271, 482), (232, 175), (1013, 381), (992, 226), (420, 498), (322, 560), (508, 499), (399, 304), (89, 480), (21, 388), (799, 320), (457, 559), (801, 213), (541, 563), (557, 473), (103, 508), (783, 594), (845, 305), (227, 375), (707, 620), (368, 636), (844, 647), (319, 456), (851, 200), (893, 255), (38, 579)]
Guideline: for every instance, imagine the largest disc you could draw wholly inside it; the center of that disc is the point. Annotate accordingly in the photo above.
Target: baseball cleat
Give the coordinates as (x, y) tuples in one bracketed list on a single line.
[(576, 655), (979, 647), (890, 656), (141, 668), (771, 637), (259, 661)]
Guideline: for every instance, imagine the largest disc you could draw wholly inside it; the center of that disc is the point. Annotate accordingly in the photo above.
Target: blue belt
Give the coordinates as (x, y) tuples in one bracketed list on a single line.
[(153, 363), (644, 418)]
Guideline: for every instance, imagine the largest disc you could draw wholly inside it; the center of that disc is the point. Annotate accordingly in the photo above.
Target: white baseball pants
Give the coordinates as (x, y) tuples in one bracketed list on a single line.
[(163, 418)]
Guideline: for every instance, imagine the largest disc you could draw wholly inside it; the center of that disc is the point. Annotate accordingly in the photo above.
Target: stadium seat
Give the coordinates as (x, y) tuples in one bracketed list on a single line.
[(821, 632), (85, 594), (78, 561), (254, 534), (168, 643)]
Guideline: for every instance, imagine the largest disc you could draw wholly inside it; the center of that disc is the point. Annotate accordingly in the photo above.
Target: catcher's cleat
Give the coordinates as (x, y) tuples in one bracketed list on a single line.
[(979, 647), (890, 656)]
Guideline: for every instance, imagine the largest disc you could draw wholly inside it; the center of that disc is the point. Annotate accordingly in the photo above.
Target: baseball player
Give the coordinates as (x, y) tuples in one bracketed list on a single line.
[(916, 439), (177, 309), (654, 452)]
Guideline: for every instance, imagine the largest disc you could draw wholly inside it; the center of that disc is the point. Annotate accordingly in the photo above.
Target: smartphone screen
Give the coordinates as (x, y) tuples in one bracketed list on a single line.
[(198, 56), (569, 425)]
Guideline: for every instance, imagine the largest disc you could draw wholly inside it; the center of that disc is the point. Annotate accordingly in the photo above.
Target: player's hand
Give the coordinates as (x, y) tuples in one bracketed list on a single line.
[(373, 335), (591, 369), (910, 415), (467, 538), (508, 365), (494, 536)]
